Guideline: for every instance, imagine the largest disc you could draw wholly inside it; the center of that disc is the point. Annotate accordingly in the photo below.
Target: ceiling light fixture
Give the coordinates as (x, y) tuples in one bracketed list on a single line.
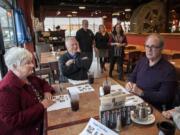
[(58, 12), (74, 12), (104, 16), (82, 7), (127, 10), (115, 14), (69, 15)]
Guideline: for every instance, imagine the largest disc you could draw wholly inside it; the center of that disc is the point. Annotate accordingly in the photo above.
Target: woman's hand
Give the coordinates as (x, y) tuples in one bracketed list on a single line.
[(168, 114), (48, 95), (47, 102)]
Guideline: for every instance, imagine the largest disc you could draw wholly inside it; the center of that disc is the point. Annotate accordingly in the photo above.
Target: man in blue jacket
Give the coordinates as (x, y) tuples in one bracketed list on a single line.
[(74, 65)]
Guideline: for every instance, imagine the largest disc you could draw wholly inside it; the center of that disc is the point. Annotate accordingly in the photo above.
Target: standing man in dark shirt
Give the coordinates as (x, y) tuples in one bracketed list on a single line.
[(154, 78), (85, 37)]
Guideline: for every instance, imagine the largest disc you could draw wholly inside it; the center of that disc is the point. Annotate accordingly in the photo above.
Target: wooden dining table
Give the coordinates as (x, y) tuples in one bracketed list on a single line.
[(68, 122), (175, 62), (141, 48), (47, 57)]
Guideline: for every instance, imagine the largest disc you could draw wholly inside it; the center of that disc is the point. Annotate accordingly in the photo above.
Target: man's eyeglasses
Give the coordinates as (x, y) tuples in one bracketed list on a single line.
[(152, 47)]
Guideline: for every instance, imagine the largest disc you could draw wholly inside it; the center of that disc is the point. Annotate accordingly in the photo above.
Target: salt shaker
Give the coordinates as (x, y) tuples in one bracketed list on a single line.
[(101, 92), (118, 123)]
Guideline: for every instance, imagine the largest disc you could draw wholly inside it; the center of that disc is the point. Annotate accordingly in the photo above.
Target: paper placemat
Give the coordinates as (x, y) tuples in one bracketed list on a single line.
[(61, 101), (118, 87), (133, 100), (77, 82), (82, 88)]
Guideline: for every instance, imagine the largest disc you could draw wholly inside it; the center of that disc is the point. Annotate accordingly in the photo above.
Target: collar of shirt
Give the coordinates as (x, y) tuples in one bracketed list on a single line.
[(84, 30), (72, 56), (13, 80), (155, 65)]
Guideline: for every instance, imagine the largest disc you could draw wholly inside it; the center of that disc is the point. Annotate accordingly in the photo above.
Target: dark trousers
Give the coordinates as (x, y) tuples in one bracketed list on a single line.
[(89, 55), (102, 62), (119, 60)]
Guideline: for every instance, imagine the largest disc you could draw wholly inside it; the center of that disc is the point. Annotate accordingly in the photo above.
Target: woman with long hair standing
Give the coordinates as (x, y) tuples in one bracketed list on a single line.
[(102, 40), (118, 42)]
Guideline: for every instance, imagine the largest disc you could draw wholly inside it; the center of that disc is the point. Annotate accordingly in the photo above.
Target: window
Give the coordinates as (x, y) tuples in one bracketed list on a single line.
[(7, 26), (71, 24), (7, 32), (125, 24)]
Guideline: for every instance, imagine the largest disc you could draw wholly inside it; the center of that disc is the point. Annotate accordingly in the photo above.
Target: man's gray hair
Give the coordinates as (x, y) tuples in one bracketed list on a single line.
[(17, 55), (161, 39), (68, 39), (84, 20)]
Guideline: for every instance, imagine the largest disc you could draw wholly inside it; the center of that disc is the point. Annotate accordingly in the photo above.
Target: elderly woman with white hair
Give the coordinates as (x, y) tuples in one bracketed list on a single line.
[(23, 96)]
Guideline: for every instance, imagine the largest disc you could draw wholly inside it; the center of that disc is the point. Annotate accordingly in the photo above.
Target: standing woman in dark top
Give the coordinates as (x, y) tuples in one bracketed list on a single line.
[(118, 42), (102, 39)]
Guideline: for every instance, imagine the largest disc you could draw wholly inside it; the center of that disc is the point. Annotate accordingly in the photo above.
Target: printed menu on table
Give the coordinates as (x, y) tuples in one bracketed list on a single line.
[(96, 128)]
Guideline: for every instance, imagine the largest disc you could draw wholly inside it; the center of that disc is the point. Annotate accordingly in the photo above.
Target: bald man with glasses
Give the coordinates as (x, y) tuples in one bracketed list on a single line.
[(154, 78)]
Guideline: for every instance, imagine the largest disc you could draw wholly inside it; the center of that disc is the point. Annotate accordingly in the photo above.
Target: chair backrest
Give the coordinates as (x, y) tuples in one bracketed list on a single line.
[(62, 78), (176, 56), (130, 47), (177, 96), (134, 55), (167, 56), (43, 47), (37, 59), (54, 67)]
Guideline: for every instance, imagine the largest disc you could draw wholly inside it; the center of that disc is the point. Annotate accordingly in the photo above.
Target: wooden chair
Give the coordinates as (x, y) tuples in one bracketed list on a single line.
[(39, 71), (176, 56), (130, 47), (56, 72), (167, 56), (62, 78), (43, 47), (177, 96), (54, 67), (133, 57)]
